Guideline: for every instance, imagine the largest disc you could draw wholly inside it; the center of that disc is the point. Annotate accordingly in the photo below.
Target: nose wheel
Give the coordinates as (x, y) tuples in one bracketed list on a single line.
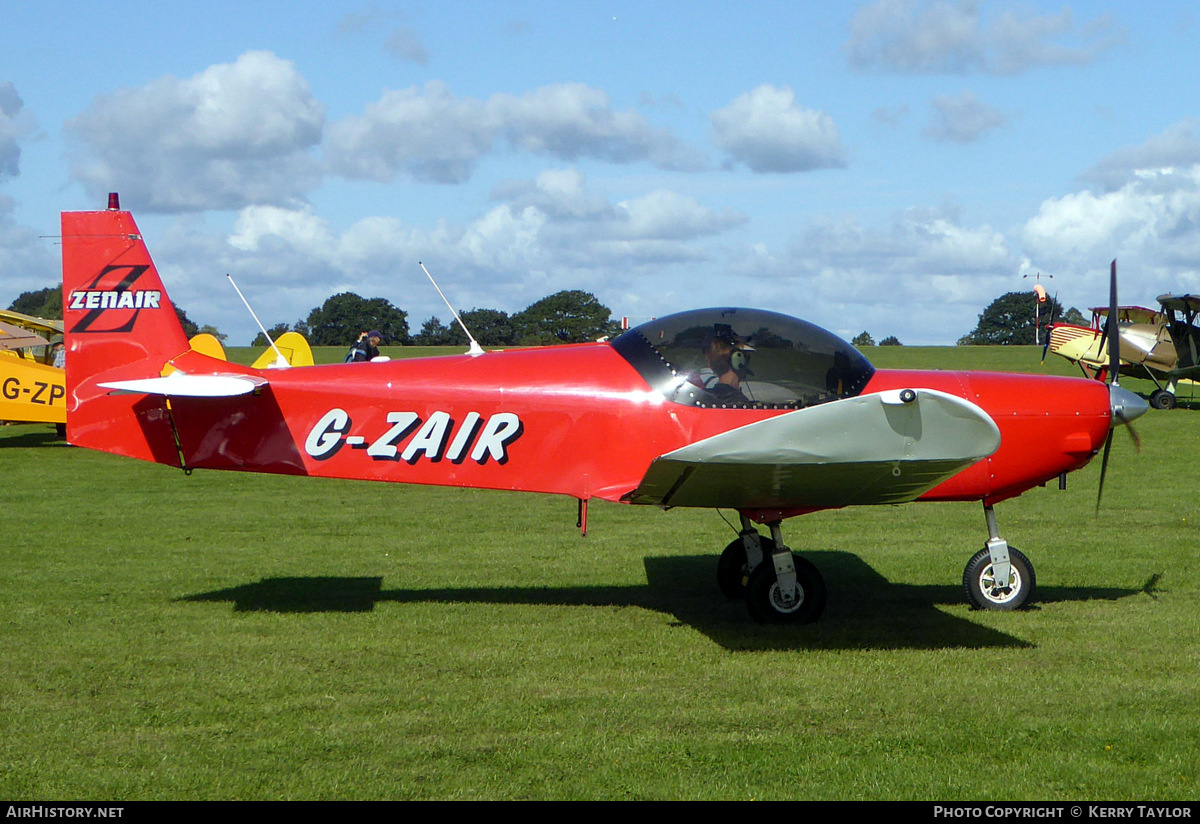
[(998, 577), (987, 590)]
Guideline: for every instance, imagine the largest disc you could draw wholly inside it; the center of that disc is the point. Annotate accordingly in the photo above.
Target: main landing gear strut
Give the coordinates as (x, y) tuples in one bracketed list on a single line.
[(782, 588), (779, 587)]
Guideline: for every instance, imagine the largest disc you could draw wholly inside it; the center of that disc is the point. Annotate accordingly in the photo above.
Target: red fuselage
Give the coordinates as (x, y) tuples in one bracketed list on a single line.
[(574, 420)]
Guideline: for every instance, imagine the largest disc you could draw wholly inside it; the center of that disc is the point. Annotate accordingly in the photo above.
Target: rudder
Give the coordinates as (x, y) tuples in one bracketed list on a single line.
[(119, 324)]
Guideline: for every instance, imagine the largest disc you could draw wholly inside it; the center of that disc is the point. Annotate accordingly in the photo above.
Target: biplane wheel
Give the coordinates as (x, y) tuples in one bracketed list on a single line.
[(1162, 399), (732, 573), (763, 595), (981, 586)]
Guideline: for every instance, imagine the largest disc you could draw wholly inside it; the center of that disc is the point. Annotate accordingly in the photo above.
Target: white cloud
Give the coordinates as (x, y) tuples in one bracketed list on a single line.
[(428, 132), (670, 216), (1178, 146), (551, 233), (561, 194), (923, 276), (961, 119), (232, 135), (260, 227), (951, 37), (27, 260), (15, 125), (1155, 217), (572, 120), (435, 136), (404, 44), (767, 131), (1146, 214)]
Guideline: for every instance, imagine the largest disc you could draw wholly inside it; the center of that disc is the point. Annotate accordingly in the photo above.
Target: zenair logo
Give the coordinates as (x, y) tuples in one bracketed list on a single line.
[(111, 292)]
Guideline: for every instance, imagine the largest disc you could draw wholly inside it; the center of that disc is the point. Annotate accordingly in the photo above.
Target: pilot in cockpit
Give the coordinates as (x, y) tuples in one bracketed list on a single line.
[(727, 357)]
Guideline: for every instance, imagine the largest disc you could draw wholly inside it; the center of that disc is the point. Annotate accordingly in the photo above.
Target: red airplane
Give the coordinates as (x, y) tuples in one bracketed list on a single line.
[(736, 408)]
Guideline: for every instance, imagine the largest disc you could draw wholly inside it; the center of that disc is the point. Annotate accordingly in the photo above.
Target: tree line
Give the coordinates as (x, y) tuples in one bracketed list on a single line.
[(569, 316)]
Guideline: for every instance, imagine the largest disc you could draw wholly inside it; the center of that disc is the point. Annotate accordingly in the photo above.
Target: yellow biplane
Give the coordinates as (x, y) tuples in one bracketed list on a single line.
[(32, 388), (1150, 342)]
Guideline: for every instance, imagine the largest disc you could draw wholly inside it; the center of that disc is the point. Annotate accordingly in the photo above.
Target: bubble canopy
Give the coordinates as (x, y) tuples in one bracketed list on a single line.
[(743, 359)]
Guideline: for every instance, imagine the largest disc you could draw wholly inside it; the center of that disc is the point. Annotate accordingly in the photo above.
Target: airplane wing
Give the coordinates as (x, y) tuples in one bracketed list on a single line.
[(43, 326), (887, 447), (1130, 314), (1180, 303), (14, 337), (183, 385)]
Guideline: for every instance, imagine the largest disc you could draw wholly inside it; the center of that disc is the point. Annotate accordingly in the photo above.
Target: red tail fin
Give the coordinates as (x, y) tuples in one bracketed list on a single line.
[(119, 324)]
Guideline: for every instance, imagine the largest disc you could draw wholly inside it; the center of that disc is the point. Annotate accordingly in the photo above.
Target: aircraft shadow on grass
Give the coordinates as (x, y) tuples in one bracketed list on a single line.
[(865, 610), (28, 440)]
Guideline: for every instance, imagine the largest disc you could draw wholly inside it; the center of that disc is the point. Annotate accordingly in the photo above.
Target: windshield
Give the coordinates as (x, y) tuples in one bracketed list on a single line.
[(743, 358)]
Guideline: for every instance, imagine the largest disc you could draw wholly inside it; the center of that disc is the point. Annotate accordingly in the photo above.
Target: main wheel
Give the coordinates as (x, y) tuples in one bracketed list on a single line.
[(764, 598), (732, 569), (1162, 399), (985, 592)]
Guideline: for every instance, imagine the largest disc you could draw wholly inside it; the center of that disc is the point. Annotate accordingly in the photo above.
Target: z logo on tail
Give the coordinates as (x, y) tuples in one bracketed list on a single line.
[(98, 301)]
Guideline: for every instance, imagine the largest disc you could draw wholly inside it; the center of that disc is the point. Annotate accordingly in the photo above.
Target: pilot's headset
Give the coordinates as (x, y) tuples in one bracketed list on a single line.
[(740, 359)]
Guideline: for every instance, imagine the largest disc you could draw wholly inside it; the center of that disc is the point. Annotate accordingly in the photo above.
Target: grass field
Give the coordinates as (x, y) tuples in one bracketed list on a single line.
[(233, 636)]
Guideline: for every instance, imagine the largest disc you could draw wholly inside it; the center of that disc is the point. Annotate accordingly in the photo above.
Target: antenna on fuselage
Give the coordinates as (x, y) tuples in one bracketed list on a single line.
[(475, 348), (280, 361)]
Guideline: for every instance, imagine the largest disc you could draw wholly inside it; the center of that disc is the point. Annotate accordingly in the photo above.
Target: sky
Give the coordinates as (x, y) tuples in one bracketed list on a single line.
[(889, 166)]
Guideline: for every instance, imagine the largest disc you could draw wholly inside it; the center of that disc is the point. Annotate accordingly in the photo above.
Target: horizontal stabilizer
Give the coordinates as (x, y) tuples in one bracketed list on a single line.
[(182, 385), (887, 447)]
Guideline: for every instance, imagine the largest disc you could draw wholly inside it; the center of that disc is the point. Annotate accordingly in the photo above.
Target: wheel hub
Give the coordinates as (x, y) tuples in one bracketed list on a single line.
[(782, 603), (996, 592)]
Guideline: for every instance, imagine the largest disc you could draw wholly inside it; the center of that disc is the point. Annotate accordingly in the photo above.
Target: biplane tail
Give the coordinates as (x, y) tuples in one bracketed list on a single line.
[(119, 327)]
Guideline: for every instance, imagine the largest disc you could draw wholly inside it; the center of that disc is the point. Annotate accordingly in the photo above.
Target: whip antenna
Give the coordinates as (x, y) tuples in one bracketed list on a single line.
[(280, 361), (475, 348)]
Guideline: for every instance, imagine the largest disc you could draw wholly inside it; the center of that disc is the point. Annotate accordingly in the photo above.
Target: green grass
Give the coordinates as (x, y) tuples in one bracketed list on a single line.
[(229, 635)]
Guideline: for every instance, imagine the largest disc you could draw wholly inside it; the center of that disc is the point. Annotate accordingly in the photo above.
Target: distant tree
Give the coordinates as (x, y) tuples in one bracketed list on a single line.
[(341, 318), (491, 327), (433, 333), (891, 340), (1074, 316), (189, 328), (1009, 320), (209, 329), (863, 339), (41, 303), (275, 332), (570, 316)]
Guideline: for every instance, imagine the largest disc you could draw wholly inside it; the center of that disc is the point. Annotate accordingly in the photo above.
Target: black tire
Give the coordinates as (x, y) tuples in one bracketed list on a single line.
[(979, 584), (765, 605), (1162, 399), (732, 572)]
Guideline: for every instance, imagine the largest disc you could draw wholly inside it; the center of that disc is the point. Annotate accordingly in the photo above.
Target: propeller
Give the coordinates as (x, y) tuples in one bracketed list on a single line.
[(1126, 406)]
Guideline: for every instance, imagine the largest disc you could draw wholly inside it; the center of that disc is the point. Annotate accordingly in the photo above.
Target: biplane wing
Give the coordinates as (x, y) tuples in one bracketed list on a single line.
[(32, 389), (14, 337)]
